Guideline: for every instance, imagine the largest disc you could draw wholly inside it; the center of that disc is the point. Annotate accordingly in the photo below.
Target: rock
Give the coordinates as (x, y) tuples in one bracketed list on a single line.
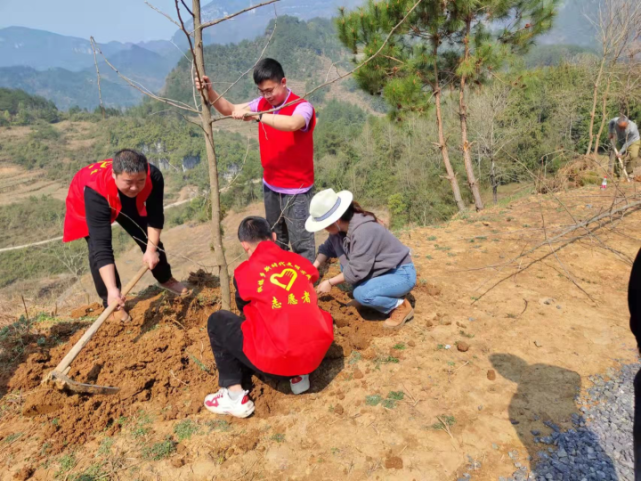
[(491, 374), (394, 462), (178, 462), (411, 344), (24, 474), (538, 344), (462, 346), (339, 410), (358, 374), (535, 432)]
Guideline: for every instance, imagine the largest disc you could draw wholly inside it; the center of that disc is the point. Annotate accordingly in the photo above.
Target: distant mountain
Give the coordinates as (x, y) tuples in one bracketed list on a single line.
[(62, 68), (66, 88), (41, 50), (250, 25), (305, 49), (571, 26), (142, 65)]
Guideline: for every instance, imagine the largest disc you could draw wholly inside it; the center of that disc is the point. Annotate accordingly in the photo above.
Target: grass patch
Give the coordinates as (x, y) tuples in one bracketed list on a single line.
[(186, 429), (160, 450), (431, 238), (278, 437), (105, 446), (396, 395), (218, 425), (373, 400), (465, 334), (12, 438), (448, 420), (400, 346), (354, 358), (67, 463), (199, 363)]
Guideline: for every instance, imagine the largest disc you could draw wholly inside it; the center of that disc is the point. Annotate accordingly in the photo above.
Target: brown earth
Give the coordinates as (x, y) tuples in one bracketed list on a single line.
[(380, 402)]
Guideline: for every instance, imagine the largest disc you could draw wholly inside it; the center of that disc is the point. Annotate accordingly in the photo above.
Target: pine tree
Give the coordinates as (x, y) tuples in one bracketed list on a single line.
[(480, 52), (442, 42)]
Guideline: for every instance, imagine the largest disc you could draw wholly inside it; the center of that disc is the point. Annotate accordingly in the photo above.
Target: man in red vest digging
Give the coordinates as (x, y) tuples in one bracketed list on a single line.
[(282, 332), (127, 190), (286, 139)]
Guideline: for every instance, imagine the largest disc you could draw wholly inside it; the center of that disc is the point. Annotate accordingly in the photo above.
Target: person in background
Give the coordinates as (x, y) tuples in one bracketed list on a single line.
[(634, 304), (286, 138), (372, 260), (282, 332), (627, 134), (128, 190)]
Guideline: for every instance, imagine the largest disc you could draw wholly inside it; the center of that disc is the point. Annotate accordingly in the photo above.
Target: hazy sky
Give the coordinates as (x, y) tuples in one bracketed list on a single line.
[(122, 20)]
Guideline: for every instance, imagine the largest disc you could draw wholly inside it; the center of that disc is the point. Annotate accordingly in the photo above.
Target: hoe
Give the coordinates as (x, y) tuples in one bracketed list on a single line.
[(59, 374)]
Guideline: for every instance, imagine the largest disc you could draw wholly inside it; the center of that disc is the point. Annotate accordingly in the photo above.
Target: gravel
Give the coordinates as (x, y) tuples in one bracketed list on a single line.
[(599, 447)]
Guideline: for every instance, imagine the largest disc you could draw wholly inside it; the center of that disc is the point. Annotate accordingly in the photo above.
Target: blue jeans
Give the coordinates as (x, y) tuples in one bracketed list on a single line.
[(382, 293)]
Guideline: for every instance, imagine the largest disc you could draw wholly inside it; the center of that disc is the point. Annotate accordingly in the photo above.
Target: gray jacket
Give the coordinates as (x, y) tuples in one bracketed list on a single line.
[(368, 250), (627, 136)]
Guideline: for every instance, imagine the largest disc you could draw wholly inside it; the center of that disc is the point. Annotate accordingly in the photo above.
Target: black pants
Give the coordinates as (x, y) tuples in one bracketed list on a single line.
[(226, 338), (287, 214), (162, 271), (636, 430)]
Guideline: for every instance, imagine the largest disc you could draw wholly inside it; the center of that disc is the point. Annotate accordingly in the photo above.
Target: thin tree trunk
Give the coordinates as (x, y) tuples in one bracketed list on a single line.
[(216, 234), (451, 176), (604, 113), (595, 97), (495, 185), (467, 155)]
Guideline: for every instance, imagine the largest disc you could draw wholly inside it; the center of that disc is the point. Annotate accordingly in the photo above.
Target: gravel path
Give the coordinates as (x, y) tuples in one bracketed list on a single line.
[(600, 445)]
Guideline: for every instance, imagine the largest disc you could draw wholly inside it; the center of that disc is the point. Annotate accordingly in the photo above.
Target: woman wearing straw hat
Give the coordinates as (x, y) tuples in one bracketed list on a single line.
[(372, 260)]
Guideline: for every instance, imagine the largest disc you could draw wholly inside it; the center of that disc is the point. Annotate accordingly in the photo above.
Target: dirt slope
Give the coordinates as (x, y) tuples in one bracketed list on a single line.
[(452, 392)]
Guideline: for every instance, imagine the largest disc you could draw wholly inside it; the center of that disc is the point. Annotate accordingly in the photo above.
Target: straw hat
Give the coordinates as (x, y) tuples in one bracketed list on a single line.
[(326, 208)]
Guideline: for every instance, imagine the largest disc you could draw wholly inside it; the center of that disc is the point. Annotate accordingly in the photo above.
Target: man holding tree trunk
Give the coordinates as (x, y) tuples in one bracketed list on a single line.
[(286, 137)]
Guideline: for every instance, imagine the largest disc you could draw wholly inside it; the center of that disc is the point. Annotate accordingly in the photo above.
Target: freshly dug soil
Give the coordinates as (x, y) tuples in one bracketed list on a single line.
[(162, 358)]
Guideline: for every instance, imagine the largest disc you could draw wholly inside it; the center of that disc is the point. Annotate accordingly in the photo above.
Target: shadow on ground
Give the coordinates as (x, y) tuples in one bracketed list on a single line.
[(546, 398)]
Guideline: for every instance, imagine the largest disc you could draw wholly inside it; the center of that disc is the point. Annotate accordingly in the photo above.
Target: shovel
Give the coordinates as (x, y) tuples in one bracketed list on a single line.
[(59, 374)]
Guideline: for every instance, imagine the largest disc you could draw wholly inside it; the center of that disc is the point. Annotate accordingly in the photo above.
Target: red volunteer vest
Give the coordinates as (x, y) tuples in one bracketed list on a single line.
[(285, 332), (99, 177), (287, 157)]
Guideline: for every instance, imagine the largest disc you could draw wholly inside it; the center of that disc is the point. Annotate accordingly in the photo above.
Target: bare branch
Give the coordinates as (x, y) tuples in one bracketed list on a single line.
[(193, 53), (163, 14), (229, 17), (340, 77), (187, 8), (144, 90), (95, 61), (262, 53)]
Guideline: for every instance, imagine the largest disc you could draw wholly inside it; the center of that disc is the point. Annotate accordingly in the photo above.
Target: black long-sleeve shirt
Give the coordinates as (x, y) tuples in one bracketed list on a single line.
[(98, 214), (634, 299)]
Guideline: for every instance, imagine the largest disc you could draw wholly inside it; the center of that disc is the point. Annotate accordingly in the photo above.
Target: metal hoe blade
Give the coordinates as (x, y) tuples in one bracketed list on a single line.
[(64, 382)]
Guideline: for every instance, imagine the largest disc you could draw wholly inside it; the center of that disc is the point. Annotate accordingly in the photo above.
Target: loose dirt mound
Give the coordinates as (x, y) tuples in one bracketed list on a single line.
[(155, 358)]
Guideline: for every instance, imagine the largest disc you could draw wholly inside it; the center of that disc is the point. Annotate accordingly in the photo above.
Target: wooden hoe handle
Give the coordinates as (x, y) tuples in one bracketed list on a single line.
[(82, 342)]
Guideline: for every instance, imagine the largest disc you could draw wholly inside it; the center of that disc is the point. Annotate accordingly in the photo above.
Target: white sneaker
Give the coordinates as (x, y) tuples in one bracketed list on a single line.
[(299, 384), (222, 403)]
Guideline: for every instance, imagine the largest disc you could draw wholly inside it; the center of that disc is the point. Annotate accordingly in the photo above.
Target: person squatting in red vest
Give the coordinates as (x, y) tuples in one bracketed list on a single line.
[(286, 139), (282, 332), (127, 190)]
